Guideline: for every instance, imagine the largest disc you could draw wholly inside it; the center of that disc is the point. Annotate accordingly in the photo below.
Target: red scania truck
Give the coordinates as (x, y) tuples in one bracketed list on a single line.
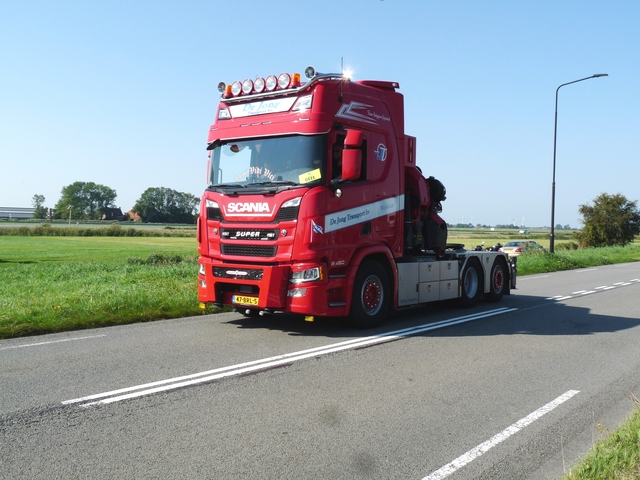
[(315, 206)]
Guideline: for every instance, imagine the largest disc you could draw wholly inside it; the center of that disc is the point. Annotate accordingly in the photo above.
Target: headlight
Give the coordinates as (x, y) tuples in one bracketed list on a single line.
[(294, 202), (309, 275)]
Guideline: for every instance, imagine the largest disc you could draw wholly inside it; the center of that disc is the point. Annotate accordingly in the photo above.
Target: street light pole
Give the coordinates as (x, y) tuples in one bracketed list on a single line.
[(555, 136), (69, 215)]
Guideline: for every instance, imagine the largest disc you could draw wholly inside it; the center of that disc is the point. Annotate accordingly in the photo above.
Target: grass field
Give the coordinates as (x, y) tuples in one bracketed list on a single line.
[(53, 284)]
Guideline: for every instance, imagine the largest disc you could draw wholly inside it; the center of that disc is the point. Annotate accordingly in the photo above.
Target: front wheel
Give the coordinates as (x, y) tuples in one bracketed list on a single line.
[(471, 284), (371, 295)]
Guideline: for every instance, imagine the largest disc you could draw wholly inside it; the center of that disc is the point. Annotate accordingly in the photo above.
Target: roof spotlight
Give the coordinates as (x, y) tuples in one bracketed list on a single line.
[(284, 80), (247, 86), (259, 85), (310, 72), (236, 88), (272, 83), (221, 87)]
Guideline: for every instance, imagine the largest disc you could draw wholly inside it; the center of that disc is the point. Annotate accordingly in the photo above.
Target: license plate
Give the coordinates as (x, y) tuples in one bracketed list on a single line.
[(242, 300)]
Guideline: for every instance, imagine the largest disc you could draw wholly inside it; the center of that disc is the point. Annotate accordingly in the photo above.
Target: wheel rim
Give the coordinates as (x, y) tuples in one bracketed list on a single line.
[(498, 279), (372, 295), (471, 282)]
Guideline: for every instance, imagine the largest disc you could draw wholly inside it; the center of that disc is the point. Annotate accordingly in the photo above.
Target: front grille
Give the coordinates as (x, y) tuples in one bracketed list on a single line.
[(238, 273), (249, 250)]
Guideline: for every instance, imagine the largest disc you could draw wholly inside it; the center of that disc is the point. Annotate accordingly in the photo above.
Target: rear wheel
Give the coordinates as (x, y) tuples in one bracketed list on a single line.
[(471, 284), (498, 281), (371, 295)]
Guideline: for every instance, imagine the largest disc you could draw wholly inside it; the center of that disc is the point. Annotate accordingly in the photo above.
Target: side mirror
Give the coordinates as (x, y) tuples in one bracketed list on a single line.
[(352, 155)]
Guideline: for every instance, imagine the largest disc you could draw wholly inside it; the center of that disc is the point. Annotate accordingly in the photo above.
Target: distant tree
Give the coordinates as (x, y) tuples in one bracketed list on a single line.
[(38, 203), (164, 205), (611, 220), (559, 227), (84, 200)]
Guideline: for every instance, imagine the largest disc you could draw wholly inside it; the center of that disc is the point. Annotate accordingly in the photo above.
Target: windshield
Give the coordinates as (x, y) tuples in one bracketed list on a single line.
[(291, 160)]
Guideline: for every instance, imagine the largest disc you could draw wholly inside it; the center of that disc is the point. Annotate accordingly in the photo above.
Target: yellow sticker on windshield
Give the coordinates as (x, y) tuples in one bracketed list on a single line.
[(311, 176)]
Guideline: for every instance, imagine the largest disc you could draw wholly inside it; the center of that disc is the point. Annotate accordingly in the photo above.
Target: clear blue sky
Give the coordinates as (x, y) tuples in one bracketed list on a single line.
[(122, 92)]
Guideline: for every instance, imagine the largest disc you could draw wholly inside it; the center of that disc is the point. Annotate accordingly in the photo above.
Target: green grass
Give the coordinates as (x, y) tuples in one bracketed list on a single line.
[(615, 456), (53, 284), (57, 297), (543, 261), (53, 249)]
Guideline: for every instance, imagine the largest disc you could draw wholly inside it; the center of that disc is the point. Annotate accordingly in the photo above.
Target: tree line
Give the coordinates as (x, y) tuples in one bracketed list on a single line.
[(92, 201)]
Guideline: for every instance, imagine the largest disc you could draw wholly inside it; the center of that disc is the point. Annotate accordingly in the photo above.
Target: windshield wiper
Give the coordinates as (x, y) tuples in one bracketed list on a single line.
[(229, 185), (275, 182)]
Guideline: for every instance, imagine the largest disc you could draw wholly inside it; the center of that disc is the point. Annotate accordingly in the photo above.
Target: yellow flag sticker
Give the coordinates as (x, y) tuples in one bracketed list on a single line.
[(311, 176)]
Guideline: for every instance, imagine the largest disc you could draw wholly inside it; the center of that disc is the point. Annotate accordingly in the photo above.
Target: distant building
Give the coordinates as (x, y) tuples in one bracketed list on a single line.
[(112, 213), (16, 212)]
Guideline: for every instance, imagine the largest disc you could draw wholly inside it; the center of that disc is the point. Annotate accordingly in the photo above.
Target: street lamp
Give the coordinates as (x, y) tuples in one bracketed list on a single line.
[(555, 135), (69, 215)]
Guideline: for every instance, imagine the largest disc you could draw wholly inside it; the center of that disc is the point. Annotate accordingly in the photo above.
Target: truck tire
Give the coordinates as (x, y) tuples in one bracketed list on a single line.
[(471, 284), (371, 295), (498, 281)]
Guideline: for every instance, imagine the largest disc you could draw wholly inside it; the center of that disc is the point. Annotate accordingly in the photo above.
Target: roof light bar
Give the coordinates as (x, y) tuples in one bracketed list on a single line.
[(272, 83)]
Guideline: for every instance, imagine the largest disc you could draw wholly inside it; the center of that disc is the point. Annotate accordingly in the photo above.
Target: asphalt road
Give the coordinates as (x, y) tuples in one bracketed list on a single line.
[(518, 389)]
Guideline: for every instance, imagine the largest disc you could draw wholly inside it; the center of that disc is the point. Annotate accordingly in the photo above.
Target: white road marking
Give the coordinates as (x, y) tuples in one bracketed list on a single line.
[(481, 449), (51, 342), (265, 363), (595, 290)]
